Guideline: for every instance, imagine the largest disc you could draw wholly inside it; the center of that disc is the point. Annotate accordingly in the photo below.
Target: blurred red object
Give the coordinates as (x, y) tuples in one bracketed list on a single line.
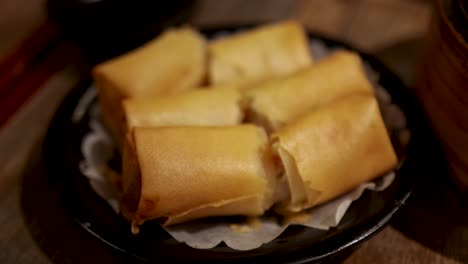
[(37, 58)]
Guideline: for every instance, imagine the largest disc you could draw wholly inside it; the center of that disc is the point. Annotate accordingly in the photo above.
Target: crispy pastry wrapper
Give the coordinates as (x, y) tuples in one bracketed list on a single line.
[(258, 54), (203, 234), (279, 101), (184, 173), (201, 107), (98, 148), (172, 63), (332, 150)]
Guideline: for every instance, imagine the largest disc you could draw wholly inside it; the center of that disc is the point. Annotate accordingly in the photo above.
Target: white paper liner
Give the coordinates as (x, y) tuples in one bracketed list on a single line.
[(97, 149)]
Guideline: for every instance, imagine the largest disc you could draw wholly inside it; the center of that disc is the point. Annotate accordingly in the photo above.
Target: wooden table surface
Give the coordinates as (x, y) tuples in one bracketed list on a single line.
[(391, 29)]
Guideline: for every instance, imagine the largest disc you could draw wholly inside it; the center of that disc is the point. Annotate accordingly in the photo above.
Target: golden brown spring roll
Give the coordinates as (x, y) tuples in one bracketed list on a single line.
[(332, 150), (260, 53), (202, 107), (185, 173), (277, 102), (169, 64)]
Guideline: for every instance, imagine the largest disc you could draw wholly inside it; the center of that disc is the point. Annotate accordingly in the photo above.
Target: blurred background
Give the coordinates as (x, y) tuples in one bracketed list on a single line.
[(372, 25), (45, 48)]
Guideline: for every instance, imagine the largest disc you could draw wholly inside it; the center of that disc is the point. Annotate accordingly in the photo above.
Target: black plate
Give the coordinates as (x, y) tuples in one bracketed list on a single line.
[(373, 210)]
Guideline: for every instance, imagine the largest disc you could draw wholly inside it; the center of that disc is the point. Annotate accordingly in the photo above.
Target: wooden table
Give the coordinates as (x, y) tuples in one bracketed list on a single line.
[(391, 29)]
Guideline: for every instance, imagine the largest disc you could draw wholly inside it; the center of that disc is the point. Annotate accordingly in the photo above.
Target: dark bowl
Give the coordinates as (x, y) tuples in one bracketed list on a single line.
[(365, 217), (106, 28)]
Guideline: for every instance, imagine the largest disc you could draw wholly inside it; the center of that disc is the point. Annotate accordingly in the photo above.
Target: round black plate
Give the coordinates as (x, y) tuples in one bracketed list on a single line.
[(62, 155)]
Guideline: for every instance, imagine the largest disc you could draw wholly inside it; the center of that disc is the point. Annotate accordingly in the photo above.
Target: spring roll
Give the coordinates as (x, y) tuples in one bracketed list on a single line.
[(271, 50), (279, 101), (169, 64), (332, 150), (202, 107), (182, 173)]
